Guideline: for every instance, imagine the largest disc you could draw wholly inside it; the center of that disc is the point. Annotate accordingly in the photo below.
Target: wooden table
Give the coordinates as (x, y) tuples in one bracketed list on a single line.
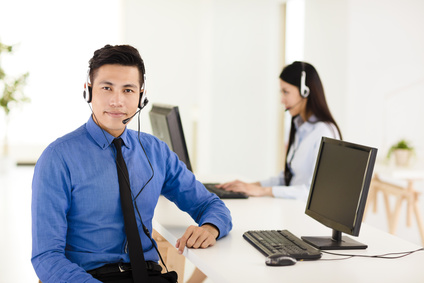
[(386, 181)]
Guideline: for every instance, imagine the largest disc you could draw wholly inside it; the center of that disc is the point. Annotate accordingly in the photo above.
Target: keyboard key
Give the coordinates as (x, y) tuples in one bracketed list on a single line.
[(223, 193), (269, 242)]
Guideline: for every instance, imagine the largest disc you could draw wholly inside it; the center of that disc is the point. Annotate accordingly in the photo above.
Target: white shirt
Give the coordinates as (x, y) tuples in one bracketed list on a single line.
[(301, 158)]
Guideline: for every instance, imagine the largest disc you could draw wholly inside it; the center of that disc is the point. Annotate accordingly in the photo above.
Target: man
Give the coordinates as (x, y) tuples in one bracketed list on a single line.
[(78, 224)]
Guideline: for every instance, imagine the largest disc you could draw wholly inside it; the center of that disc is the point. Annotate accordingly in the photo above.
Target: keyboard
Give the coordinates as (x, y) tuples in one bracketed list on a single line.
[(270, 242), (223, 193)]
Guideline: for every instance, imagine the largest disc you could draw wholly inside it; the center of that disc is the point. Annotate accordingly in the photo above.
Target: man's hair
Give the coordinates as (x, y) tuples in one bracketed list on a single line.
[(125, 55)]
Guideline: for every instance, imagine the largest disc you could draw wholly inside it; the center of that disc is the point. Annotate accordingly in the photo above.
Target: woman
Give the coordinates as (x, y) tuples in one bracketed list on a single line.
[(303, 96)]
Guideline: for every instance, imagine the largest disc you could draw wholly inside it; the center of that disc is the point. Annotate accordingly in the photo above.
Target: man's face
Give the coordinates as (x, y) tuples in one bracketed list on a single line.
[(115, 96)]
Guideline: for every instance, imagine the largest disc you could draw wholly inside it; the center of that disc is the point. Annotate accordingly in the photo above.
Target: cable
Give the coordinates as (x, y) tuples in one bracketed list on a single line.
[(382, 256), (114, 155), (145, 230), (148, 160)]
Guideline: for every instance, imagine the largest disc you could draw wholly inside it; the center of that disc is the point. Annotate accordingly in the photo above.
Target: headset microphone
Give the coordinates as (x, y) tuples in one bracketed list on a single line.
[(125, 121), (287, 109), (128, 119), (142, 102)]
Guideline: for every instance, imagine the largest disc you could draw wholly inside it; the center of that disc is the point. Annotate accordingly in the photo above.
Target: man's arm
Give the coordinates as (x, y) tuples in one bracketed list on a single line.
[(50, 202), (191, 196)]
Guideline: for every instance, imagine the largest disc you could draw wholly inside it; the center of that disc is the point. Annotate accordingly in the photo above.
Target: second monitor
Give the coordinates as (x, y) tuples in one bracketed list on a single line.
[(167, 126)]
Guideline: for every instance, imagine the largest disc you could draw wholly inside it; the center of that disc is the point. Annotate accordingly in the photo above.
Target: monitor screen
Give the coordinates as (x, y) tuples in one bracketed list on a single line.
[(167, 126), (339, 191)]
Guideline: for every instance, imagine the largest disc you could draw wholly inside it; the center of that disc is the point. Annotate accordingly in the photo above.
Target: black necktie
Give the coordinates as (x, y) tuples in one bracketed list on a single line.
[(138, 264)]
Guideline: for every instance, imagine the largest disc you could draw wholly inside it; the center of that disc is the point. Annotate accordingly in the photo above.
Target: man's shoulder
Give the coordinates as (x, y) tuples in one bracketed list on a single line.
[(71, 137), (63, 146)]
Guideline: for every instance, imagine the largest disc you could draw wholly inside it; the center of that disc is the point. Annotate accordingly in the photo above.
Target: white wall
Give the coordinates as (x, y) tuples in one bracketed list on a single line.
[(219, 60), (369, 55), (386, 72), (54, 41), (327, 47)]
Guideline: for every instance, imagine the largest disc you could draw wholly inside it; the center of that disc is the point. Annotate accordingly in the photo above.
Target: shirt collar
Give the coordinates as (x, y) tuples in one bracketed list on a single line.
[(103, 138), (298, 122)]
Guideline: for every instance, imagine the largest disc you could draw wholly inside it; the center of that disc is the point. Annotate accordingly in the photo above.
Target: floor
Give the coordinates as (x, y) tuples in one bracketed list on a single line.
[(15, 220)]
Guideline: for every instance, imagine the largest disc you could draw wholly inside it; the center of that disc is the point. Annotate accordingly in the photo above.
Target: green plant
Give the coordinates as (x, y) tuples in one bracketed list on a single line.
[(402, 144), (12, 94)]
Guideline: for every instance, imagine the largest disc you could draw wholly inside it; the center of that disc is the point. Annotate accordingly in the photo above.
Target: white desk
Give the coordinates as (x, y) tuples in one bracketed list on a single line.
[(233, 259)]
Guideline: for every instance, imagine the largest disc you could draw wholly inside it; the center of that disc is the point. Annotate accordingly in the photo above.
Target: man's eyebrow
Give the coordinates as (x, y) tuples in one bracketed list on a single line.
[(130, 85), (106, 83), (112, 84)]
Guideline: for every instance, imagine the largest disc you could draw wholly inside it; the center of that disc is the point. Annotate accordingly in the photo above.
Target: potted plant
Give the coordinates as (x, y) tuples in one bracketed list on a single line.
[(11, 95), (402, 151)]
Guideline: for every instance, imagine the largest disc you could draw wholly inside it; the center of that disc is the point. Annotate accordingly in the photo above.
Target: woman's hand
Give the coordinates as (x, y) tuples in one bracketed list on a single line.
[(251, 189)]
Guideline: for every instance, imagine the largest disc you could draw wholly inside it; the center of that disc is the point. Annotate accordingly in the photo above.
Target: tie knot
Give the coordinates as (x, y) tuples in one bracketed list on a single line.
[(117, 142)]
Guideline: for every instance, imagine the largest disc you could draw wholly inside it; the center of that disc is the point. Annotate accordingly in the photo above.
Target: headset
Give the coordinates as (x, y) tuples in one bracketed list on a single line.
[(142, 102), (87, 94), (304, 89)]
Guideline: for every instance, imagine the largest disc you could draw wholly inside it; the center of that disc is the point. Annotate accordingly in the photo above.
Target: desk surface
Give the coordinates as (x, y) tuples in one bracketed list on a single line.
[(233, 259), (412, 172)]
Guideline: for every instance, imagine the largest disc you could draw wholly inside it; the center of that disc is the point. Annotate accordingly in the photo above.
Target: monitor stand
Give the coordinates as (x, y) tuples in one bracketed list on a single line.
[(336, 242)]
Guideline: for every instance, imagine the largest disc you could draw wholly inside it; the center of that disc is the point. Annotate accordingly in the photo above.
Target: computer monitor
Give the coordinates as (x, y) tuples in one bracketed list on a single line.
[(339, 191), (167, 126)]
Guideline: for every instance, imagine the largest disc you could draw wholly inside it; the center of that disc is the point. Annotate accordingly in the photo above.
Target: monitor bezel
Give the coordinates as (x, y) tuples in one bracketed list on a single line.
[(361, 203), (172, 116)]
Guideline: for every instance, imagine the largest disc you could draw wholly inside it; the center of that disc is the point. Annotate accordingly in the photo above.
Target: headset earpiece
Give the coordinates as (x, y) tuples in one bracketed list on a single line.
[(304, 89), (143, 99), (87, 94), (142, 102)]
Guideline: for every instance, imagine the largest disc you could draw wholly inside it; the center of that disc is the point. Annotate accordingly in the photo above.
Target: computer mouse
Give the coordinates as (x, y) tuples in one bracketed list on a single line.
[(280, 260)]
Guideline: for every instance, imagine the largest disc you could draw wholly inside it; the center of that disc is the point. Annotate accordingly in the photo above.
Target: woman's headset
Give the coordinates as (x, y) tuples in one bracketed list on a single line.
[(304, 89)]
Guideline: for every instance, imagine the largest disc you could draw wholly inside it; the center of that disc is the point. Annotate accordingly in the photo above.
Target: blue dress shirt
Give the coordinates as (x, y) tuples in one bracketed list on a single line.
[(77, 221)]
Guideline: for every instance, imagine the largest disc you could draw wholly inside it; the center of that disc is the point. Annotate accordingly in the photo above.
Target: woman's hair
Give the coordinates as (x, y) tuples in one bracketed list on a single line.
[(316, 103), (125, 55)]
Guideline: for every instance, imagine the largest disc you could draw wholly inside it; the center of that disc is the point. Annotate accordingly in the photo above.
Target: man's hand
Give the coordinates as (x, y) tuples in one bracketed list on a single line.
[(197, 237)]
